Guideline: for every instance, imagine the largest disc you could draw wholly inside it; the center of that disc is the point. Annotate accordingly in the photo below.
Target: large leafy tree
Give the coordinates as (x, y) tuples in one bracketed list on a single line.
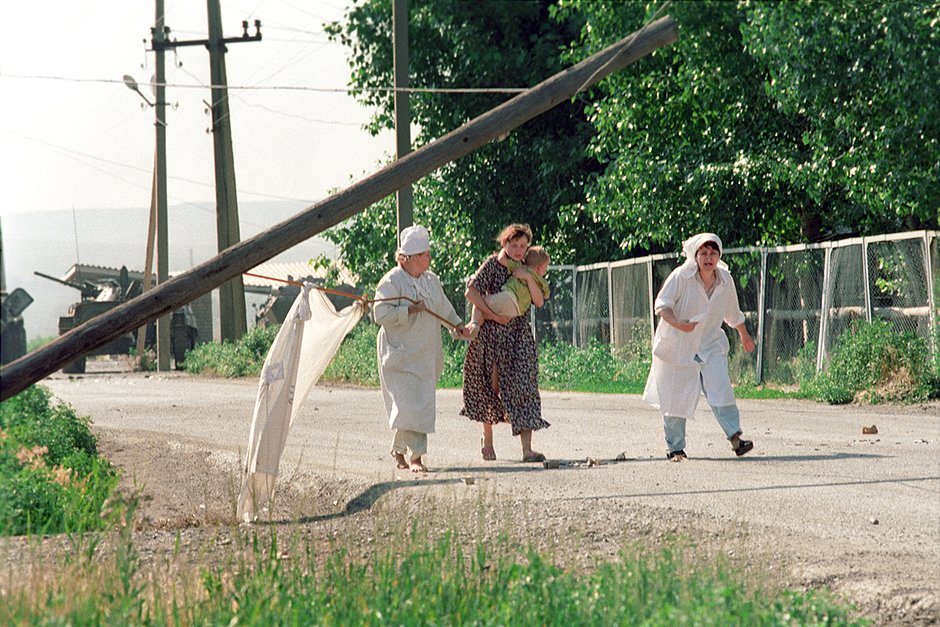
[(536, 175), (768, 122), (863, 78)]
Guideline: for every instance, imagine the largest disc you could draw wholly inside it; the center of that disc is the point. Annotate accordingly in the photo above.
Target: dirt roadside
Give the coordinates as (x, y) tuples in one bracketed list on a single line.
[(817, 504)]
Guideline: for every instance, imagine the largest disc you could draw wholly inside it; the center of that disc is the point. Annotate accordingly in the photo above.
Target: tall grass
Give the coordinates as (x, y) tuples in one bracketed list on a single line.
[(561, 367), (416, 579), (594, 368)]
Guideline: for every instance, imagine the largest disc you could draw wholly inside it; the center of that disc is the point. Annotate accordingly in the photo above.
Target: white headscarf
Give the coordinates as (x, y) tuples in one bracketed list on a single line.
[(691, 246)]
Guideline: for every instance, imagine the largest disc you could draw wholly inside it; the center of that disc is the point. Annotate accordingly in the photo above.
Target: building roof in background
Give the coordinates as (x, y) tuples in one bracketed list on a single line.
[(287, 271), (86, 272), (277, 271)]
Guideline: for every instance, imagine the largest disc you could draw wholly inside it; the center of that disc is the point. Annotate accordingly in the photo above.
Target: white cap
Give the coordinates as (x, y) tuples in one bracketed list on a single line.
[(414, 240)]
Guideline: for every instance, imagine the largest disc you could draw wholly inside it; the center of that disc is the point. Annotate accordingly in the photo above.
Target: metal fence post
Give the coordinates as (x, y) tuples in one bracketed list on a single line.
[(610, 304), (932, 320), (824, 308), (574, 307), (761, 303), (652, 298), (867, 277)]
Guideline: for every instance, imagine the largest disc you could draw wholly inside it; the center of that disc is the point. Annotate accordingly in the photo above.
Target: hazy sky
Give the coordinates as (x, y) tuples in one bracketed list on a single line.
[(73, 136)]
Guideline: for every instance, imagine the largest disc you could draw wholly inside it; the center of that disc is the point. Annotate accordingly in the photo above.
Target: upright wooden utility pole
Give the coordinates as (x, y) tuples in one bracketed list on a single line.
[(232, 315), (405, 195), (158, 227), (163, 263)]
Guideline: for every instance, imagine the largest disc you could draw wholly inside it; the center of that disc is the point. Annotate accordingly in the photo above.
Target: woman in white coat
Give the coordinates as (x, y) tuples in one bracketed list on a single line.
[(409, 345), (690, 349)]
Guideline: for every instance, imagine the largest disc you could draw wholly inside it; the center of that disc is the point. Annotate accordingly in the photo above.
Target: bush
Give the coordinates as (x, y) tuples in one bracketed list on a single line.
[(594, 369), (804, 364), (243, 358), (455, 352), (874, 363), (51, 477), (355, 362)]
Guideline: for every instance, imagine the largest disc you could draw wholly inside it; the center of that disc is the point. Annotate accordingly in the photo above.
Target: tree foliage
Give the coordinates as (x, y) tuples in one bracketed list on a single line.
[(865, 75), (767, 122), (536, 175)]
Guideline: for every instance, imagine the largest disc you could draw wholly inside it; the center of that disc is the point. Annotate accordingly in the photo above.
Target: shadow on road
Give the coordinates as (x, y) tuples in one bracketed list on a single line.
[(373, 493), (821, 457), (529, 467), (364, 501)]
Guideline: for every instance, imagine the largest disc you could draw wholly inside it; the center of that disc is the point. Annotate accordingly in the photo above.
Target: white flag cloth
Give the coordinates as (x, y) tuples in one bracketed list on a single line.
[(309, 337)]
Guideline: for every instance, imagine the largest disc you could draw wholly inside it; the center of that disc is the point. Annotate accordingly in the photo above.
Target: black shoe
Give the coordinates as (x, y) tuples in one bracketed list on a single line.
[(676, 456), (744, 446)]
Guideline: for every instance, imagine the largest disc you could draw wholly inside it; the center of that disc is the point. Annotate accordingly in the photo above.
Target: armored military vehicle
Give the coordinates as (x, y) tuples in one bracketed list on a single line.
[(12, 329), (279, 302), (104, 294)]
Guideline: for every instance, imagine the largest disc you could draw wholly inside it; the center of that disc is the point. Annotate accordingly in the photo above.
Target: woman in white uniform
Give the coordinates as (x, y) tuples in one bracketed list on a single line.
[(690, 349), (409, 345)]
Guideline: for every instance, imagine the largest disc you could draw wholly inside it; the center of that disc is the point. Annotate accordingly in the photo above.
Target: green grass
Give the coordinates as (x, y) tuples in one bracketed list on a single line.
[(424, 577), (561, 367), (52, 480), (51, 476)]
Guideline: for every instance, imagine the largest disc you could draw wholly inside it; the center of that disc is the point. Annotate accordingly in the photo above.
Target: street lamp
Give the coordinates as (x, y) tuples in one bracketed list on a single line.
[(158, 228), (131, 84)]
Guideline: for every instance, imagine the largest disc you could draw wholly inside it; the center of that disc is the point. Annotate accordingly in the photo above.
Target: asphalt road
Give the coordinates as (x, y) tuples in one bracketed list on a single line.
[(814, 482)]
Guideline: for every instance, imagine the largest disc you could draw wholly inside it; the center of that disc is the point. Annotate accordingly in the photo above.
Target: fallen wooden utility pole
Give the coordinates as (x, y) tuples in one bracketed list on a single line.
[(247, 254)]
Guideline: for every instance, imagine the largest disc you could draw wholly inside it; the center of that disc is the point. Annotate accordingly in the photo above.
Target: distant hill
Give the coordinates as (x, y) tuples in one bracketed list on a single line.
[(52, 241)]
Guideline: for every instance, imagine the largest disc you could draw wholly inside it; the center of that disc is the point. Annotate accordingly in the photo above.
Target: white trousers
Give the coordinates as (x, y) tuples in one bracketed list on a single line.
[(415, 441)]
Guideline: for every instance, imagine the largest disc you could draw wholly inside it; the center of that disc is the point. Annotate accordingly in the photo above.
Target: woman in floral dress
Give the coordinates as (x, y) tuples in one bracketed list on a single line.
[(500, 374)]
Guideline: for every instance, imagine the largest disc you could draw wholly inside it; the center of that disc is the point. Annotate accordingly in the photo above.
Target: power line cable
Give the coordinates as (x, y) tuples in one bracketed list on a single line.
[(77, 155), (340, 90), (296, 116)]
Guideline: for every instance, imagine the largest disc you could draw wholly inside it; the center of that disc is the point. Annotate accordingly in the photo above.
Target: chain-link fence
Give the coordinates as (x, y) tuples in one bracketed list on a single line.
[(797, 300)]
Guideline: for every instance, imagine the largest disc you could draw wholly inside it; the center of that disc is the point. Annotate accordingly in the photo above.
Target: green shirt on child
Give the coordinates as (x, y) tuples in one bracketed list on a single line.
[(520, 288)]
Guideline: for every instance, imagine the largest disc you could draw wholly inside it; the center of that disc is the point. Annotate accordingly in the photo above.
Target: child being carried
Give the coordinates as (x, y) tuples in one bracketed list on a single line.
[(526, 286)]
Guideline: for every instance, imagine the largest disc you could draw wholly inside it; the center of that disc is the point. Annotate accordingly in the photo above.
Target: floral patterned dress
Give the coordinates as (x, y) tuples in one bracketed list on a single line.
[(510, 349)]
